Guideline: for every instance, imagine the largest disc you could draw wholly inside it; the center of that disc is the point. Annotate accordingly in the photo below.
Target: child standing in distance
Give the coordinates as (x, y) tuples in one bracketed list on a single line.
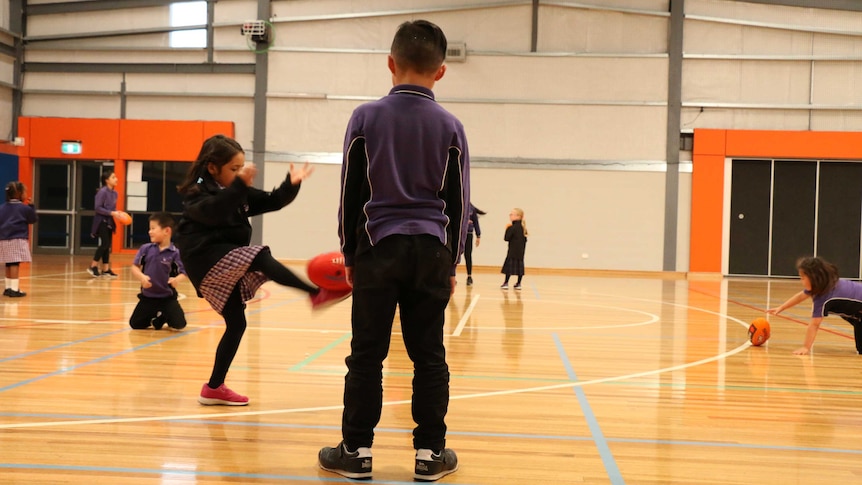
[(829, 294), (401, 244), (516, 235), (158, 267), (472, 226), (104, 225), (16, 215), (213, 237)]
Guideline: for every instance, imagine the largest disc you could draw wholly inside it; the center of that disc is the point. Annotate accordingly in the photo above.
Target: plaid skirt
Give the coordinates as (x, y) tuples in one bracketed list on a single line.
[(222, 278), (15, 251), (513, 266)]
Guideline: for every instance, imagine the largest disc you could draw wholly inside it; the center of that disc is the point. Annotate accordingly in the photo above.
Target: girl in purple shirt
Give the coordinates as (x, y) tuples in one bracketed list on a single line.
[(16, 215), (829, 294), (104, 225)]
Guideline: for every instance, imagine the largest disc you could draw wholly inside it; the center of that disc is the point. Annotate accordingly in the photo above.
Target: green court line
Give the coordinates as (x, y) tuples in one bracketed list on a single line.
[(311, 358)]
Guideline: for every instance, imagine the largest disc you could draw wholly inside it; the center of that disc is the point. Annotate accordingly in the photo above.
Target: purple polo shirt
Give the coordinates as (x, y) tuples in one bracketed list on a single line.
[(407, 143), (159, 265), (844, 299)]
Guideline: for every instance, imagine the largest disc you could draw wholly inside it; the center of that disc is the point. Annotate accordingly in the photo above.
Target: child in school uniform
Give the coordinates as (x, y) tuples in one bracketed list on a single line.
[(516, 235), (16, 215), (104, 226), (158, 267), (214, 236), (401, 244), (829, 294), (472, 227)]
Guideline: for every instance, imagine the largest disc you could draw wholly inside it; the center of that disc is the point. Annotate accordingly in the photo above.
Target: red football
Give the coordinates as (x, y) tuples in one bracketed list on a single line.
[(327, 271)]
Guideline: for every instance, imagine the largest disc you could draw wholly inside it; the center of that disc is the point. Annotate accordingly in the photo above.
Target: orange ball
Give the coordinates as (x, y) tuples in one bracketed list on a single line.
[(123, 218), (759, 331)]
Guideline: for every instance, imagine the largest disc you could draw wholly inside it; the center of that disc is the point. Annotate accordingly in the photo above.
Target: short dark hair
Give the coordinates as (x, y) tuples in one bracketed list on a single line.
[(822, 274), (419, 46), (163, 219)]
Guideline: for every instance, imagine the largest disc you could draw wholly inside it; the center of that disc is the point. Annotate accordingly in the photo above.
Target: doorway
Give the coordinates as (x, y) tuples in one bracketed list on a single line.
[(64, 192), (781, 210)]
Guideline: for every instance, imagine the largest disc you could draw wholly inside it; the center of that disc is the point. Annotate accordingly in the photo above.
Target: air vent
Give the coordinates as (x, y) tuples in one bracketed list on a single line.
[(456, 52)]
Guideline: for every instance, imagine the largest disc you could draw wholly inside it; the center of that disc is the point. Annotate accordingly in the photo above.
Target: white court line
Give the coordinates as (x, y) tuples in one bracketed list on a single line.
[(707, 360), (390, 403), (466, 316)]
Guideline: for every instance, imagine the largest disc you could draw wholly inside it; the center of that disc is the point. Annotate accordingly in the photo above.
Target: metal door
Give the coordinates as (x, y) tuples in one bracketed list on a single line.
[(751, 181), (64, 194)]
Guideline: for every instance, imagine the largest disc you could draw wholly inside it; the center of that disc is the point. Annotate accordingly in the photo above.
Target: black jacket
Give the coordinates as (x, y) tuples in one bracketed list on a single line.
[(215, 220), (517, 241)]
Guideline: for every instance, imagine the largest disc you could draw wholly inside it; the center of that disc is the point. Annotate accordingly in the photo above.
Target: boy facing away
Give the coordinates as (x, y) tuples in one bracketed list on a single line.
[(159, 268), (401, 243)]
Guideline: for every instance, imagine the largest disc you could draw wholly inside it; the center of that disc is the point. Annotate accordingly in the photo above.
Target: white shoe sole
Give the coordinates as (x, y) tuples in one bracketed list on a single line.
[(208, 401)]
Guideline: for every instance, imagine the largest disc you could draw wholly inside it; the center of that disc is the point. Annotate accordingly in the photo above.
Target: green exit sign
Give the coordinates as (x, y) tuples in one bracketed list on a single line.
[(70, 147)]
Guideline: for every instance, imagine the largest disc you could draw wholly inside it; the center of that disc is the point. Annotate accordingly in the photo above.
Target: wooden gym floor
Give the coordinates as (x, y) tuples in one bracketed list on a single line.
[(581, 378)]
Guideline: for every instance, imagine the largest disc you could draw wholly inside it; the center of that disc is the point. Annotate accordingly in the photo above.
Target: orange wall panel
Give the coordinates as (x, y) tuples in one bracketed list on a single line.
[(712, 147), (709, 142), (707, 206), (100, 138), (794, 144), (160, 140)]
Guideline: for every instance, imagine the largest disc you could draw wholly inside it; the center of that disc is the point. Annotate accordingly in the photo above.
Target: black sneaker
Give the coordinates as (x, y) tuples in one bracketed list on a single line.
[(159, 321), (8, 292), (350, 464), (16, 294), (93, 271), (432, 466), (469, 281), (109, 274)]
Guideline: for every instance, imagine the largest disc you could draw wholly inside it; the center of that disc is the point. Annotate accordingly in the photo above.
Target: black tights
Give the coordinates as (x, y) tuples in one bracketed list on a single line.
[(468, 253), (234, 312), (234, 319), (103, 252), (509, 276), (266, 264)]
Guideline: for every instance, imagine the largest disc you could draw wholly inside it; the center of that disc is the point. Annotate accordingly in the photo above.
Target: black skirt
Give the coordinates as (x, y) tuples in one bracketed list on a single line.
[(513, 266)]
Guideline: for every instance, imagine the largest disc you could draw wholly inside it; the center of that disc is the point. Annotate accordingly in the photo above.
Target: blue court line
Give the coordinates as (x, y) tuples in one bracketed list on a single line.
[(60, 346), (98, 360), (599, 438), (474, 434)]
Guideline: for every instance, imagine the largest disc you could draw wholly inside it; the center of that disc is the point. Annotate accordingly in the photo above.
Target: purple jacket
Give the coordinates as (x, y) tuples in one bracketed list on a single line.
[(406, 170), (106, 202), (15, 220)]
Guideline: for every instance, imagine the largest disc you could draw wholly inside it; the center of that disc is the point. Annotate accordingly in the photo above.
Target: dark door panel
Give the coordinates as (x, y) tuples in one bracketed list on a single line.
[(839, 216), (749, 217), (794, 198)]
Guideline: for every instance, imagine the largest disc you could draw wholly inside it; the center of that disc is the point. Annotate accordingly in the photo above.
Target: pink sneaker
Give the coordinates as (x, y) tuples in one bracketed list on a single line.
[(221, 395), (325, 298)]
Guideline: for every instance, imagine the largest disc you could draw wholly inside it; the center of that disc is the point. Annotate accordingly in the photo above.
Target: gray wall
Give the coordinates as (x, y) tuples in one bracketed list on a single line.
[(571, 128)]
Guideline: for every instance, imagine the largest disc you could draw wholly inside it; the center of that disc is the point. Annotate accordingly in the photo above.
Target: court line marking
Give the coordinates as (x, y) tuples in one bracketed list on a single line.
[(466, 316), (507, 392), (599, 439)]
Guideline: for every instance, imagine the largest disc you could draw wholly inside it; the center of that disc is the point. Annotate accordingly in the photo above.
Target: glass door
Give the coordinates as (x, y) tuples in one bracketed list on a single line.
[(65, 193)]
